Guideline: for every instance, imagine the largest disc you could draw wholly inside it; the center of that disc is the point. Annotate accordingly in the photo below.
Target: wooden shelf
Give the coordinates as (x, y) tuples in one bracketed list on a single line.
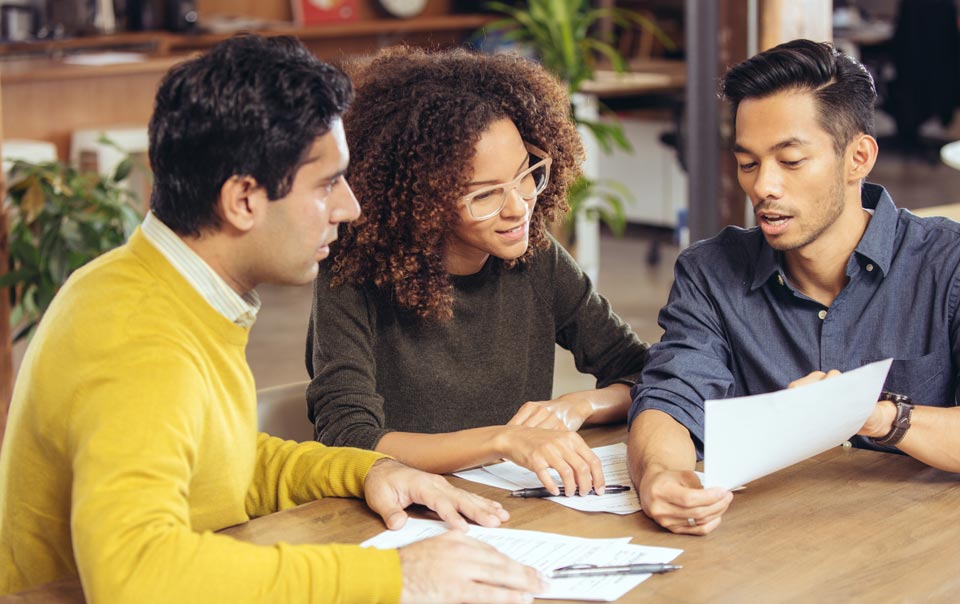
[(47, 98), (163, 43)]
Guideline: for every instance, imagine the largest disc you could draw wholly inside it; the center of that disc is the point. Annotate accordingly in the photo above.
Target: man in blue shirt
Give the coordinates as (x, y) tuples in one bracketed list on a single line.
[(834, 276)]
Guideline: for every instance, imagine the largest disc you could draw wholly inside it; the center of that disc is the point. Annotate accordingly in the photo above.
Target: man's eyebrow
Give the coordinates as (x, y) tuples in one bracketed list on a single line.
[(334, 176), (494, 182), (790, 142)]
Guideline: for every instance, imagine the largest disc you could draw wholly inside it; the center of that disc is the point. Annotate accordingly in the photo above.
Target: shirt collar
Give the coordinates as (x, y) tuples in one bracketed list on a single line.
[(879, 239), (876, 244), (241, 309)]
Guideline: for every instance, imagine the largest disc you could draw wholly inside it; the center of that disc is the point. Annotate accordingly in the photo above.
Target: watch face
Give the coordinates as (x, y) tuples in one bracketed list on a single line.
[(404, 8)]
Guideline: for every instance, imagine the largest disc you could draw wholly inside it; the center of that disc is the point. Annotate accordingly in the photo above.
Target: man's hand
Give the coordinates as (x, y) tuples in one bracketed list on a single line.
[(881, 418), (456, 568), (567, 412), (813, 376), (674, 498), (880, 421), (539, 450), (391, 487)]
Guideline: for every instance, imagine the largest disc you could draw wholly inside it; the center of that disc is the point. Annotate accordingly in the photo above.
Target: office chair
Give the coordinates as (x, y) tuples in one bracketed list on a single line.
[(282, 411)]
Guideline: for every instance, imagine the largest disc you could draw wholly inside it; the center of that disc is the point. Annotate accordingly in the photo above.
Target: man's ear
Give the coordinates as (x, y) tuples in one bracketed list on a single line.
[(238, 205), (861, 156)]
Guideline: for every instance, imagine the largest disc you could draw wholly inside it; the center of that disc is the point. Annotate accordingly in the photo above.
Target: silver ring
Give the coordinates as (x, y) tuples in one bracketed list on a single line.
[(691, 522)]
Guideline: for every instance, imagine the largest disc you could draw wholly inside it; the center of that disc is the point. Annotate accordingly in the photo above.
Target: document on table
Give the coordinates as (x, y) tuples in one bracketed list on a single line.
[(510, 476), (546, 552), (752, 436)]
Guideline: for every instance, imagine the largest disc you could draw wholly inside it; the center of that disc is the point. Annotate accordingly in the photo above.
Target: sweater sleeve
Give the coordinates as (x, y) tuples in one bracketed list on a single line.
[(133, 442), (602, 344), (288, 473), (342, 398)]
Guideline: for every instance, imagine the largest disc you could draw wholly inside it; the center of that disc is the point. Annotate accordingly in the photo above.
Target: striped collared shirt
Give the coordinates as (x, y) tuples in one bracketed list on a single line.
[(241, 309)]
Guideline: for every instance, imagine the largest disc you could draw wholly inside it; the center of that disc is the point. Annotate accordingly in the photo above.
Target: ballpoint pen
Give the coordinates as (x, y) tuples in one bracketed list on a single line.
[(593, 570), (543, 492)]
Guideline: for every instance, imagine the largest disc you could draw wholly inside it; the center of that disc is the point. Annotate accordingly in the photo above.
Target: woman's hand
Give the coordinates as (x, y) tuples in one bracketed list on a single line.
[(539, 450), (568, 412)]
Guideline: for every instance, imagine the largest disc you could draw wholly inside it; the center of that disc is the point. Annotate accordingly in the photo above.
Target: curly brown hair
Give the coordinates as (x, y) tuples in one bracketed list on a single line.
[(412, 131)]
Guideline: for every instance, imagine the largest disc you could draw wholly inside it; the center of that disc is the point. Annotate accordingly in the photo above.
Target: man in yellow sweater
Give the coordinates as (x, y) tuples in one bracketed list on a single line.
[(132, 433)]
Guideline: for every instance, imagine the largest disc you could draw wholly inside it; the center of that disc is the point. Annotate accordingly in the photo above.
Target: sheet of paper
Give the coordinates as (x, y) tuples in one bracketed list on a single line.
[(545, 552), (752, 436), (105, 58), (510, 476)]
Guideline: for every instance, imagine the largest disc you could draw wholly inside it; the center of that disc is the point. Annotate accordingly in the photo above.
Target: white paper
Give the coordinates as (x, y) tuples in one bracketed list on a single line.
[(752, 436), (510, 476), (105, 58), (546, 552)]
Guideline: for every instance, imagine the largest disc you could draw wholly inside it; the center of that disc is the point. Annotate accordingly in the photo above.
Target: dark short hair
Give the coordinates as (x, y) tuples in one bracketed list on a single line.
[(251, 106), (842, 88)]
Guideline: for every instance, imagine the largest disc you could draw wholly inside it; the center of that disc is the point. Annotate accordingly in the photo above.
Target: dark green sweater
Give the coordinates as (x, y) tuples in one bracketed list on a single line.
[(376, 369)]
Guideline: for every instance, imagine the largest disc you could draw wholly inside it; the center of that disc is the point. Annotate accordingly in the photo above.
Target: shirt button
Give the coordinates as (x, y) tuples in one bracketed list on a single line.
[(846, 444), (822, 314), (780, 279), (869, 268)]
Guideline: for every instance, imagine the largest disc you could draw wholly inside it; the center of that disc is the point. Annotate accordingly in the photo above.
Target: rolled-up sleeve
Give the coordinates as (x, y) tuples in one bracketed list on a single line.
[(692, 361)]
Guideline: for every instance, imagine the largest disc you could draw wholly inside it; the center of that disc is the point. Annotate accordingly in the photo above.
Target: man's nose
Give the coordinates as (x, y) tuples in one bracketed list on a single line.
[(346, 208), (768, 183)]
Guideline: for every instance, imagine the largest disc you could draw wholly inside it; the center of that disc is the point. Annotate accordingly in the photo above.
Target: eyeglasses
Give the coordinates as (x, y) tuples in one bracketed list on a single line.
[(487, 202)]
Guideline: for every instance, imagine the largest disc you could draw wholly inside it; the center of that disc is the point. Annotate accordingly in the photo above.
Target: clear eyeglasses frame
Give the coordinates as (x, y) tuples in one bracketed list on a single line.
[(487, 202)]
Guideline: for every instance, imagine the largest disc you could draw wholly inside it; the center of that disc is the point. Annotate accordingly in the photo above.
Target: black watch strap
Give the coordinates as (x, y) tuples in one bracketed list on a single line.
[(901, 423)]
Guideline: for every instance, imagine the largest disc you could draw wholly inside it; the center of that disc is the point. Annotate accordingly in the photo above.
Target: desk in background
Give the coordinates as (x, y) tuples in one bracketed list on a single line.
[(845, 526)]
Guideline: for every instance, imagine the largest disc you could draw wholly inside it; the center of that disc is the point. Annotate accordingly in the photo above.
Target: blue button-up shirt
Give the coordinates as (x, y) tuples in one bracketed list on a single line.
[(734, 325)]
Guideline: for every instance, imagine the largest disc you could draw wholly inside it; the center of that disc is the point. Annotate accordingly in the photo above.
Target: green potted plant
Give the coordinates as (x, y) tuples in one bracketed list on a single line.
[(562, 35), (59, 219)]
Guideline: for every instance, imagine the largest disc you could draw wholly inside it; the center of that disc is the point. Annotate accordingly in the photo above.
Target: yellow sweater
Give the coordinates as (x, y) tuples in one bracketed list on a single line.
[(132, 436)]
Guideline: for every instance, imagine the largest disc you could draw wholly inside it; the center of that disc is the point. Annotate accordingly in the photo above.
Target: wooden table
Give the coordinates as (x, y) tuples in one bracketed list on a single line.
[(845, 526)]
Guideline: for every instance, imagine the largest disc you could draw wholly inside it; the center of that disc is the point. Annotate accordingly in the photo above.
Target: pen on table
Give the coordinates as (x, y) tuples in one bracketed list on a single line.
[(543, 492), (593, 570)]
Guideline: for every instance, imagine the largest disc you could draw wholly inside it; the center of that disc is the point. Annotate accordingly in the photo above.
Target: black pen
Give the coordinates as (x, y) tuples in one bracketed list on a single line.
[(593, 570), (543, 492)]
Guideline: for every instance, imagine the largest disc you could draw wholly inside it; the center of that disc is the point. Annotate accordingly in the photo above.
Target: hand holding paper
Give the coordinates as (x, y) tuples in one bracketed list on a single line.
[(752, 436)]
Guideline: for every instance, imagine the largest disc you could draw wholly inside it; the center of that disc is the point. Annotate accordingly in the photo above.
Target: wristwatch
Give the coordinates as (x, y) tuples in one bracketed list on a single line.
[(901, 423)]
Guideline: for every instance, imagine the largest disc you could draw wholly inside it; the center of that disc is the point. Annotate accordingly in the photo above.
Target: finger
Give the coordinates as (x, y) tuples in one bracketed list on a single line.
[(683, 528), (395, 519), (547, 479), (685, 498), (389, 508), (703, 514), (481, 510), (546, 420), (814, 376), (567, 476), (596, 471), (486, 565), (587, 469), (447, 510), (523, 414)]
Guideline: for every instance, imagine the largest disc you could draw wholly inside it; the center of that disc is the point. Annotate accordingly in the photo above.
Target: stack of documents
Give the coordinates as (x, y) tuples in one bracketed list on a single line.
[(546, 552)]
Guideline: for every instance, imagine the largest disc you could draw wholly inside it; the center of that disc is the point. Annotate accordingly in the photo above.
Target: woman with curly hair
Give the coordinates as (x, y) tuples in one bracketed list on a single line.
[(444, 302)]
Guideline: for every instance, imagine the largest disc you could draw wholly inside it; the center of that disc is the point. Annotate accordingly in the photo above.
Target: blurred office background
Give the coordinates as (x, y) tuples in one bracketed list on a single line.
[(71, 70)]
